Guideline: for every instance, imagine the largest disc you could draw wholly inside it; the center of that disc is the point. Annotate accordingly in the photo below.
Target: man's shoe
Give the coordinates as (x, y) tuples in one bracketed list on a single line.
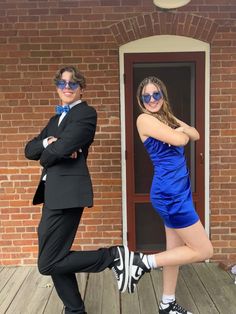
[(120, 265), (138, 266), (173, 308)]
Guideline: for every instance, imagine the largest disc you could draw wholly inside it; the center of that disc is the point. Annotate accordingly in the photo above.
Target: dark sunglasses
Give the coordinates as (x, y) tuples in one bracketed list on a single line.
[(63, 84), (156, 96)]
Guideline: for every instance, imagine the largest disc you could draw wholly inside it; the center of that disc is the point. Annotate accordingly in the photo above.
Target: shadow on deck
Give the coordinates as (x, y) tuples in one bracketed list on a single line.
[(203, 288)]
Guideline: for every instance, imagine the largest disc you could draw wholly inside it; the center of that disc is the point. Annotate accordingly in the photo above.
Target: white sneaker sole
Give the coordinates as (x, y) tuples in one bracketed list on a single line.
[(126, 268), (131, 258)]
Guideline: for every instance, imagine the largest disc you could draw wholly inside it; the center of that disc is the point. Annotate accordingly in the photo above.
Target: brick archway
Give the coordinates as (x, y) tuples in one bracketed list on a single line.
[(162, 23)]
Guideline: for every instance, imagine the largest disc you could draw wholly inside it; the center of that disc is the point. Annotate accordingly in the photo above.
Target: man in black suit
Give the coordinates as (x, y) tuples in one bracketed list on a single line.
[(65, 189)]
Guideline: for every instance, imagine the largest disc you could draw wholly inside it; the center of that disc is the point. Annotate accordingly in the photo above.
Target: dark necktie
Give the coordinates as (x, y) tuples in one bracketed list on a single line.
[(60, 109)]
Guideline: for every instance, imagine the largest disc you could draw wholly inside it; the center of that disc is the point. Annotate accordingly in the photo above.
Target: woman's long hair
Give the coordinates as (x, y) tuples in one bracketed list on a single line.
[(165, 113)]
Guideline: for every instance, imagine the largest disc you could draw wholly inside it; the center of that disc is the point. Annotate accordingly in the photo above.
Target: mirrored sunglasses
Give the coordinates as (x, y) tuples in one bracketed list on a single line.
[(156, 96), (61, 84)]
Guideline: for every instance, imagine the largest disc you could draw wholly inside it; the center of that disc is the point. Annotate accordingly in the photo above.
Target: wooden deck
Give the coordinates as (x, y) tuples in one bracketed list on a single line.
[(202, 288)]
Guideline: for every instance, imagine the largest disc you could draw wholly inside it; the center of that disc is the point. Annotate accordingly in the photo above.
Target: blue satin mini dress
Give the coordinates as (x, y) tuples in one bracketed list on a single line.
[(170, 193)]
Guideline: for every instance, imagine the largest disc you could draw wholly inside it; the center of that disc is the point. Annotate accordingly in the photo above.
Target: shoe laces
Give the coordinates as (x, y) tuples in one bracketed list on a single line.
[(179, 308), (115, 272), (142, 262)]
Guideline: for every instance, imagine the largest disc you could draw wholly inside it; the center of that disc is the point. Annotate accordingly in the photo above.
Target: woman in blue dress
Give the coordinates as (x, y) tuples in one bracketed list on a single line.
[(164, 137)]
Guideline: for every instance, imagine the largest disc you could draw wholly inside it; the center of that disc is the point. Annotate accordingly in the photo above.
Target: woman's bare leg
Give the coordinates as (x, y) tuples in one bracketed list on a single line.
[(170, 273), (197, 247)]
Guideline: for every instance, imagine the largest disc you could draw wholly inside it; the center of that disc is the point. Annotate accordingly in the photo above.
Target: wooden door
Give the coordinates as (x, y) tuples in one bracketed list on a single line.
[(184, 76)]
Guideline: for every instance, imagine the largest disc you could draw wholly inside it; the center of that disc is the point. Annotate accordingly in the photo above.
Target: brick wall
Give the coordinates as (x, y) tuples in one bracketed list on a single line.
[(38, 36)]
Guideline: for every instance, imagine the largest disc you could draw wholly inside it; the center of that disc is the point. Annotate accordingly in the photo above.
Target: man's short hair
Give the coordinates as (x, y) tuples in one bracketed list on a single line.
[(76, 75)]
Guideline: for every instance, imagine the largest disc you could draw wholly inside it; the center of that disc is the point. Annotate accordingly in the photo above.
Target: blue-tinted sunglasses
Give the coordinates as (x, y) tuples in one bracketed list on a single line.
[(63, 84), (156, 96)]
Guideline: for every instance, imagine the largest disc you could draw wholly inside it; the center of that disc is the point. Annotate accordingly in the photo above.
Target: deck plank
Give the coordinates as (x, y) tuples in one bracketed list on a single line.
[(202, 288), (157, 280), (111, 296), (184, 296), (219, 285), (147, 297), (197, 290), (82, 279), (33, 294), (5, 275), (55, 305), (10, 290), (130, 303), (93, 295)]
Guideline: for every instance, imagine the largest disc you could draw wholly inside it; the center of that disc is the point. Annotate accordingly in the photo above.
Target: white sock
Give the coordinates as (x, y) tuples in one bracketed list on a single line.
[(152, 261), (168, 298)]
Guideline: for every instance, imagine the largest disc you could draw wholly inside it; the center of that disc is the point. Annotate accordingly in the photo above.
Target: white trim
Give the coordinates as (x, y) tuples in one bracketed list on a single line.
[(165, 43)]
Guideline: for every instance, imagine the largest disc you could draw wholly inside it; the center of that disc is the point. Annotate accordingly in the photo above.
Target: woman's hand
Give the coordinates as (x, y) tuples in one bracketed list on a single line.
[(188, 130), (51, 139), (180, 129)]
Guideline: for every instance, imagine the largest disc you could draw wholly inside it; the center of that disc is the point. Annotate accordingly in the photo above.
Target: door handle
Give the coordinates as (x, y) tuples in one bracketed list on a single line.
[(202, 158)]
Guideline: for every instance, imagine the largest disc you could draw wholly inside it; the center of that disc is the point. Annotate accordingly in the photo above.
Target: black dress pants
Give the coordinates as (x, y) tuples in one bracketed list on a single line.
[(56, 233)]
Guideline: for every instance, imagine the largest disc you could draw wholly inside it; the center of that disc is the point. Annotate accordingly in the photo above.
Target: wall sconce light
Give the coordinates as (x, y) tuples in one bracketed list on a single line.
[(170, 4)]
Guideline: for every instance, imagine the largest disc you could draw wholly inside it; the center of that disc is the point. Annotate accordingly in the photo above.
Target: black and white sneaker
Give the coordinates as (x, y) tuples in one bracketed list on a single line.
[(172, 308), (120, 265), (138, 266)]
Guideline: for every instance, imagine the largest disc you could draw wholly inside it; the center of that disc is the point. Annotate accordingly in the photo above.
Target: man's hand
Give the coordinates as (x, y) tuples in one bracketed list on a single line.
[(74, 155)]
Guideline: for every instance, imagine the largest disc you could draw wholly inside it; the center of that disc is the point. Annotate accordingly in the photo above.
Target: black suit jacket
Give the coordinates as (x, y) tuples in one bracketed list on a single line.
[(68, 182)]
